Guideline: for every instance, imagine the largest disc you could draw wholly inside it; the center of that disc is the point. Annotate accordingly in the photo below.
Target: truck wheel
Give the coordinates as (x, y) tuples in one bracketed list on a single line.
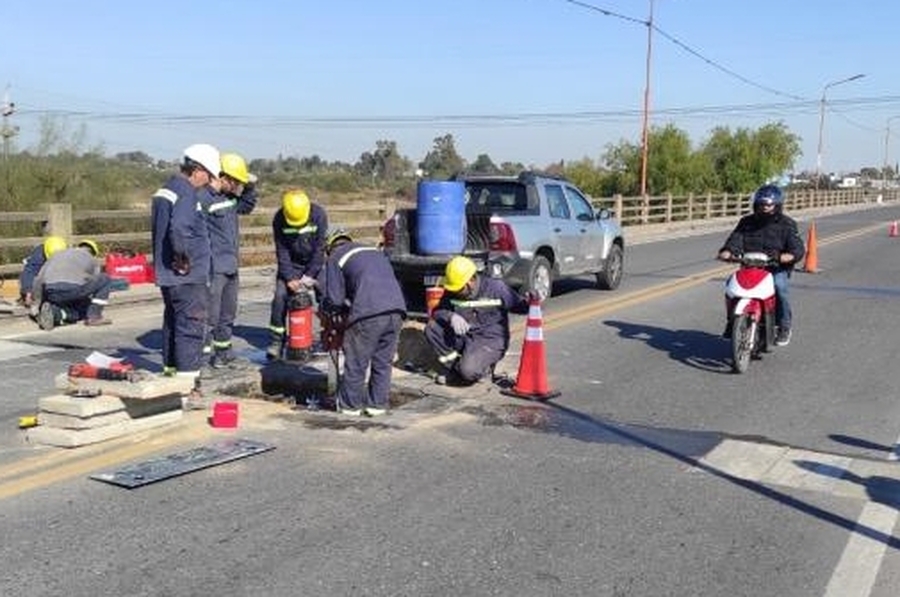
[(540, 277), (611, 275)]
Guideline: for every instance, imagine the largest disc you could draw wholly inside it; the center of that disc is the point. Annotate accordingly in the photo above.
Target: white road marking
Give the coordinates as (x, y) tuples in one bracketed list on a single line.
[(857, 569)]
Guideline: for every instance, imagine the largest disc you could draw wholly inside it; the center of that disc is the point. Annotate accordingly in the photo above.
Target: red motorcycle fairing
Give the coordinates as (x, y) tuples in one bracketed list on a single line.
[(749, 277)]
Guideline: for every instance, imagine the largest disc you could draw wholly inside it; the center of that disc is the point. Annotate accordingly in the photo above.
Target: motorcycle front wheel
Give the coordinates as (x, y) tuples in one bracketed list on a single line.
[(743, 338)]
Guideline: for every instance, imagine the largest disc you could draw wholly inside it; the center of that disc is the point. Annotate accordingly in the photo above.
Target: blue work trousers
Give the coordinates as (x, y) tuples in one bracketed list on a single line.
[(223, 305), (470, 355), (86, 299), (184, 326), (369, 347)]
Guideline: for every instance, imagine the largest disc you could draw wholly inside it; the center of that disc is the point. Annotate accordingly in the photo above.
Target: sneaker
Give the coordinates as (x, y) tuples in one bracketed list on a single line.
[(784, 337), (373, 411), (94, 321), (46, 318), (351, 412)]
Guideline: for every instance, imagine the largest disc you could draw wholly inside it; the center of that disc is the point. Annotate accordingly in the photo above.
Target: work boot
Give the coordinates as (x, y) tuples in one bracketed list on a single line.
[(46, 318)]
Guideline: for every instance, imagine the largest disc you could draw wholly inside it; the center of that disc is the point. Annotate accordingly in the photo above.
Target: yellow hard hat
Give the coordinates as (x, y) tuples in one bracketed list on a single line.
[(296, 207), (92, 246), (459, 271), (52, 244), (234, 166)]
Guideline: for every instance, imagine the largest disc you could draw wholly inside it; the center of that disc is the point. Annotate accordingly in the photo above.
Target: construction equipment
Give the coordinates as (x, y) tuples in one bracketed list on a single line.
[(332, 338), (112, 373), (300, 326)]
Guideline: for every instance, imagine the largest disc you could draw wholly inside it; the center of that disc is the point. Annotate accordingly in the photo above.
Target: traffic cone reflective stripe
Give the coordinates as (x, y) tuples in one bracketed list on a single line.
[(531, 382), (811, 264)]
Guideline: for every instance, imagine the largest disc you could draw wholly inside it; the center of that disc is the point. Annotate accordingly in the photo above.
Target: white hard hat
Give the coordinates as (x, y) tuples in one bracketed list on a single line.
[(206, 155)]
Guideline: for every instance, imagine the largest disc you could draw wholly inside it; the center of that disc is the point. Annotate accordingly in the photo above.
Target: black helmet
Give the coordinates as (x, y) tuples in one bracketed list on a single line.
[(765, 196)]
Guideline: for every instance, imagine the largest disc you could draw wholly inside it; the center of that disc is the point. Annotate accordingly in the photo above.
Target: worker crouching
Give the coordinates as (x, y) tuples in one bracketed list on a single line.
[(359, 289), (71, 286), (469, 329)]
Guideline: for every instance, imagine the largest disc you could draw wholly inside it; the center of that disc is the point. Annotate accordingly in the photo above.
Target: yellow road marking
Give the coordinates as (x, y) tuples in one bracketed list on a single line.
[(52, 467)]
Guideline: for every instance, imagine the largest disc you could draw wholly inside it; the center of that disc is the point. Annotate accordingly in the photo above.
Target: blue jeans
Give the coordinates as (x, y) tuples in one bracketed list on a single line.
[(783, 313)]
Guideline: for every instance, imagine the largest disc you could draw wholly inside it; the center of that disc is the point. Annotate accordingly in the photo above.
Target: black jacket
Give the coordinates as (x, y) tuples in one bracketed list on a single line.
[(771, 235), (487, 310)]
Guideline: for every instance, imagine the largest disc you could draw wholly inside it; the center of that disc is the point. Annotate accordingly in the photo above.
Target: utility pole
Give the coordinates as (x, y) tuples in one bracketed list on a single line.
[(822, 121), (7, 132), (887, 138), (645, 134)]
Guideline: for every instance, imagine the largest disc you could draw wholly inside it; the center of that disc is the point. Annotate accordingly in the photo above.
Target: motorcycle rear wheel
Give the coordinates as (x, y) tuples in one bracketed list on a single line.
[(743, 341)]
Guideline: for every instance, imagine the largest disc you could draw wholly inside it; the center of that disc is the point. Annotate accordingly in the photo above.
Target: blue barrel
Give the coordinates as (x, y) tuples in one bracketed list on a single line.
[(441, 217)]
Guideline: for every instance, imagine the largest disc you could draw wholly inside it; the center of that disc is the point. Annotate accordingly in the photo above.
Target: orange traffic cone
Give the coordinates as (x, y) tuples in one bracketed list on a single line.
[(892, 230), (811, 265), (531, 382)]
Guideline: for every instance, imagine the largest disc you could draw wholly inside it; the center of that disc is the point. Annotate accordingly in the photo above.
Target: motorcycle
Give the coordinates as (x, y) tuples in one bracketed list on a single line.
[(750, 304)]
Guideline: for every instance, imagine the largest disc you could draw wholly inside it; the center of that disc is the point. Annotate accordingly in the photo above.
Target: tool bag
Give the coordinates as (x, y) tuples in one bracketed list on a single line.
[(130, 266)]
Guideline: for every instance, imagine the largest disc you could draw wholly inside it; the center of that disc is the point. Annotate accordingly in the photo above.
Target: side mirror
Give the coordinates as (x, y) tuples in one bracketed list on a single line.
[(605, 214)]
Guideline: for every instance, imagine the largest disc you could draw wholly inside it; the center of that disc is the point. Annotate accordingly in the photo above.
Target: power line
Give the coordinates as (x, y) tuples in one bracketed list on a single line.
[(682, 45), (484, 119)]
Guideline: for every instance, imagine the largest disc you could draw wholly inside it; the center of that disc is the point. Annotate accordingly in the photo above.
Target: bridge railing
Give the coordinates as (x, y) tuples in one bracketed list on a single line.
[(130, 229)]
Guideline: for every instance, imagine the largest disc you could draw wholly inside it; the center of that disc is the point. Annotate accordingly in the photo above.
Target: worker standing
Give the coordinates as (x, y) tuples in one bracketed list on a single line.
[(71, 286), (231, 195), (358, 288), (182, 262), (300, 228)]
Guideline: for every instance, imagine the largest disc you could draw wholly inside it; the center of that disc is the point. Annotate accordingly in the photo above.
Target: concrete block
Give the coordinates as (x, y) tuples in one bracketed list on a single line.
[(72, 438), (154, 386), (78, 413)]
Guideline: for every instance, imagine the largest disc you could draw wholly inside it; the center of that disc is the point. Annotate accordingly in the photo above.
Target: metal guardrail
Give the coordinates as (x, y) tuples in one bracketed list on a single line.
[(366, 218)]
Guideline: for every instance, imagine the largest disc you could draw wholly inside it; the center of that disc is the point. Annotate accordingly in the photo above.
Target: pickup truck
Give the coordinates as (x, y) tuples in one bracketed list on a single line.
[(530, 230)]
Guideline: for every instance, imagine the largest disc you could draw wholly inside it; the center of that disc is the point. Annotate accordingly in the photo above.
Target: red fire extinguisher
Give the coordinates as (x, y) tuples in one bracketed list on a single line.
[(300, 326)]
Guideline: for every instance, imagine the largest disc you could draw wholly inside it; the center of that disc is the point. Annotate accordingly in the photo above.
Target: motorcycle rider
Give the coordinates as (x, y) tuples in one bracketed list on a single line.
[(768, 230)]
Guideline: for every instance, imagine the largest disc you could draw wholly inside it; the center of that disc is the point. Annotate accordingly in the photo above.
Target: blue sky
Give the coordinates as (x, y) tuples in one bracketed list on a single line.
[(533, 81)]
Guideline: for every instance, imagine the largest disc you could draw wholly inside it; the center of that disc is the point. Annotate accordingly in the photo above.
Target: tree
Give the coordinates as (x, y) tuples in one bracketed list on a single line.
[(745, 159), (385, 164), (483, 164), (443, 161)]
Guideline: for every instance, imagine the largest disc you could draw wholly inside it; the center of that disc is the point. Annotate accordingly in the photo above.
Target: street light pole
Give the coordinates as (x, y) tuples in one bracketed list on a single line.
[(822, 121)]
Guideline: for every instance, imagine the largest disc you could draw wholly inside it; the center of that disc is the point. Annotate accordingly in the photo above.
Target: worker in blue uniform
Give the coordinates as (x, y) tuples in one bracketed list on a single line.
[(71, 286), (358, 288), (232, 195), (182, 261), (469, 329), (33, 264), (300, 228)]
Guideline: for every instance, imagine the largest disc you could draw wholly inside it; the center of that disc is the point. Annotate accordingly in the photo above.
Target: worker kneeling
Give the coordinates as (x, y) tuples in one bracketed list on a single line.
[(469, 329), (71, 286)]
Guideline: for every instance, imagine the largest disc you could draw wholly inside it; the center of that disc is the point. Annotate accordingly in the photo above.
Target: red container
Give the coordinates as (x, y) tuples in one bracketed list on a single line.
[(225, 415), (131, 267)]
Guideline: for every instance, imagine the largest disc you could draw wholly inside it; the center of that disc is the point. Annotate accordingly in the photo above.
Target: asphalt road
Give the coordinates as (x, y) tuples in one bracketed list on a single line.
[(656, 472)]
